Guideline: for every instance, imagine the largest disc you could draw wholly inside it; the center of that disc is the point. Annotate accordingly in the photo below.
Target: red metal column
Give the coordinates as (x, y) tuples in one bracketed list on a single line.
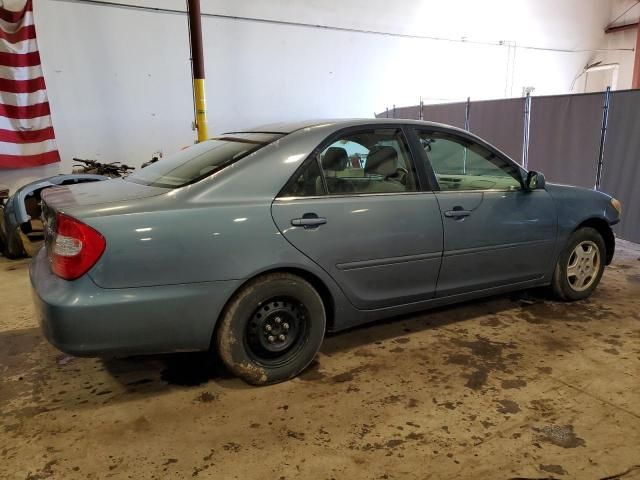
[(197, 60), (635, 81)]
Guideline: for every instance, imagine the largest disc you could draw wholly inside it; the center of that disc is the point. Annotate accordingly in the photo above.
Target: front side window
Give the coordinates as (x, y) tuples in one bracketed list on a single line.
[(201, 160), (460, 164)]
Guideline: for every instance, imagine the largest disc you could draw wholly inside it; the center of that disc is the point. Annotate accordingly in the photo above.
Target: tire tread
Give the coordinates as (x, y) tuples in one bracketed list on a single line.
[(226, 338)]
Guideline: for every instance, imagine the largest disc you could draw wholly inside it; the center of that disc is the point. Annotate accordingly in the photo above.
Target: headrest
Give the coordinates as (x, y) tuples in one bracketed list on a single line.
[(382, 161), (335, 158)]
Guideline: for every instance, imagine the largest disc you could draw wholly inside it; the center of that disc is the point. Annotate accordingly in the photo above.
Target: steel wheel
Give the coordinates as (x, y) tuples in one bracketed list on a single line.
[(583, 266), (272, 328), (277, 330)]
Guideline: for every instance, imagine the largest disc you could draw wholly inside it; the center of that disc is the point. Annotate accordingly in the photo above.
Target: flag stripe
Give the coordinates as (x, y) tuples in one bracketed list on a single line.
[(20, 73), (24, 46), (36, 148), (23, 99), (25, 33), (25, 161), (27, 136), (11, 27), (19, 59), (14, 17), (35, 123), (28, 111), (22, 86)]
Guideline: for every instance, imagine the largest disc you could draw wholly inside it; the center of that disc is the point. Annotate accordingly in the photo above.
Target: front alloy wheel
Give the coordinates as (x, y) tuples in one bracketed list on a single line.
[(583, 266), (580, 265)]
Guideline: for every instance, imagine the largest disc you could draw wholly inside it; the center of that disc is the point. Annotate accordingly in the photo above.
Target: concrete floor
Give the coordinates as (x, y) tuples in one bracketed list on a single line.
[(511, 387)]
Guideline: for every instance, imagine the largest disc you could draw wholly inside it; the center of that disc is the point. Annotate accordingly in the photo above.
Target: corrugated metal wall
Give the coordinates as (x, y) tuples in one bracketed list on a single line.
[(499, 123), (621, 165), (565, 138)]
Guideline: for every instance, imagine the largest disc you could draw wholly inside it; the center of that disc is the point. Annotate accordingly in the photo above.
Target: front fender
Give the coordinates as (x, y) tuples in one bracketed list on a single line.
[(578, 206)]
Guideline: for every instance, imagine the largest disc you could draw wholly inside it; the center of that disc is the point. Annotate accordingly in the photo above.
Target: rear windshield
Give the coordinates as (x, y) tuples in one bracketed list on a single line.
[(201, 160)]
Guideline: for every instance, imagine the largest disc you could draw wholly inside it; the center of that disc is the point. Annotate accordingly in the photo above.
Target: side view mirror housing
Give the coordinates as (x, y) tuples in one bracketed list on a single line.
[(534, 181)]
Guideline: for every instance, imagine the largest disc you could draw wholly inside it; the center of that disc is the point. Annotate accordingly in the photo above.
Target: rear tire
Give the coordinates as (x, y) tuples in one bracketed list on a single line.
[(272, 329), (580, 265)]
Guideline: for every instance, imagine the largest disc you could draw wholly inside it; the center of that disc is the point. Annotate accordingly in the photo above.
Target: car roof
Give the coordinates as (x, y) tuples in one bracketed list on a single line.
[(289, 127)]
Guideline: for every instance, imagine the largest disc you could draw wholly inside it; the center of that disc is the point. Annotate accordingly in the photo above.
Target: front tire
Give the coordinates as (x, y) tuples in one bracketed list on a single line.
[(580, 265), (272, 329)]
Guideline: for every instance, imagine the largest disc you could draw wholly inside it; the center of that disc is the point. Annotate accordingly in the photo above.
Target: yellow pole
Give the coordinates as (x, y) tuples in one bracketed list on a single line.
[(201, 109)]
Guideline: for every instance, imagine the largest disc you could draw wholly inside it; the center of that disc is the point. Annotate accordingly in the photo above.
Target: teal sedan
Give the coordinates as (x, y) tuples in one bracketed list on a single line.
[(256, 243)]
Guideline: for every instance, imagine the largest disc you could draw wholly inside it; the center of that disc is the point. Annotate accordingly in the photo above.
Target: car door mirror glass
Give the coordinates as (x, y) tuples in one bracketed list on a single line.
[(535, 181)]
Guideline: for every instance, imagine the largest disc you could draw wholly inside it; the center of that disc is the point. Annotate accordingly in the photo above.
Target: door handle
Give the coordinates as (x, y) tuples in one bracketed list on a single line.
[(457, 213), (309, 220)]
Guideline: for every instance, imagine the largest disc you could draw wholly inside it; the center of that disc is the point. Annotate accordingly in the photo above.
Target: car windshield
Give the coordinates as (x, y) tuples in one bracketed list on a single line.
[(201, 160)]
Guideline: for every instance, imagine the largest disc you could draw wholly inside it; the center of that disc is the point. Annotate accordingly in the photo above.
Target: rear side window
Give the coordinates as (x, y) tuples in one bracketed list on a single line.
[(201, 160), (306, 182), (367, 161)]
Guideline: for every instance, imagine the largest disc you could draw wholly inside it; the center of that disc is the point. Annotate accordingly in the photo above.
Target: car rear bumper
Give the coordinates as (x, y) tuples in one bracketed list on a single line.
[(80, 318)]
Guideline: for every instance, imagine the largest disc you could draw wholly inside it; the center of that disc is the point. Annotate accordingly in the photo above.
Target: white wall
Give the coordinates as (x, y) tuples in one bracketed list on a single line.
[(619, 40), (119, 79)]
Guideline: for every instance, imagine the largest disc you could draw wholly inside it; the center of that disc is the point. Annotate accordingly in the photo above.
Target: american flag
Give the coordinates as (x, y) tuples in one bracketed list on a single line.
[(26, 131)]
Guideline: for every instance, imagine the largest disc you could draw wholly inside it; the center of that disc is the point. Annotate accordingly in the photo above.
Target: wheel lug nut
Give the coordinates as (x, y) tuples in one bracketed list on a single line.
[(281, 337), (285, 326), (271, 338), (268, 328), (277, 320)]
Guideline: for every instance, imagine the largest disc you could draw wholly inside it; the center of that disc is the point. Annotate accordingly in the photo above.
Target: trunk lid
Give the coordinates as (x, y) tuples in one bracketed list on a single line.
[(70, 197), (87, 200)]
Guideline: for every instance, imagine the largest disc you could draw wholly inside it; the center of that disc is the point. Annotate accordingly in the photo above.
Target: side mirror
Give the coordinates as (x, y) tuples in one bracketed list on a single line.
[(535, 181)]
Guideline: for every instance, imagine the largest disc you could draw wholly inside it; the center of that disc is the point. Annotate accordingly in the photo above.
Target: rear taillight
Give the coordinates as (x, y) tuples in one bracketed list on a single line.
[(75, 247)]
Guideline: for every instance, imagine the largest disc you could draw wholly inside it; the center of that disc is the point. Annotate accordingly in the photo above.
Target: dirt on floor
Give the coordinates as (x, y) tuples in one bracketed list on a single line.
[(515, 386)]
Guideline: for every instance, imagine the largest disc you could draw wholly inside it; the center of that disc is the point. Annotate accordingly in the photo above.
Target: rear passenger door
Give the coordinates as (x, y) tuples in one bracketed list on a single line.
[(356, 209)]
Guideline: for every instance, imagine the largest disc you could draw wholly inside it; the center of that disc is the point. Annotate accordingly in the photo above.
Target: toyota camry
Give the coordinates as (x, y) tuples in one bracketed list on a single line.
[(256, 243)]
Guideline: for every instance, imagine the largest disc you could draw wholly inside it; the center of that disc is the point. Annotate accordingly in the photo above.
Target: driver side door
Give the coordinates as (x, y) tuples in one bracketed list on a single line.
[(496, 233)]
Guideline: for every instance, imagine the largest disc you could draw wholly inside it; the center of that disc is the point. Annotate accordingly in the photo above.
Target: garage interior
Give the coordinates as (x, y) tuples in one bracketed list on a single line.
[(513, 386)]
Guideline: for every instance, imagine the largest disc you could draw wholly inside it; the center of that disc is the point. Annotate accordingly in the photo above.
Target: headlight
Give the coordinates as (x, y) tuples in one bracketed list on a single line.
[(617, 205)]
